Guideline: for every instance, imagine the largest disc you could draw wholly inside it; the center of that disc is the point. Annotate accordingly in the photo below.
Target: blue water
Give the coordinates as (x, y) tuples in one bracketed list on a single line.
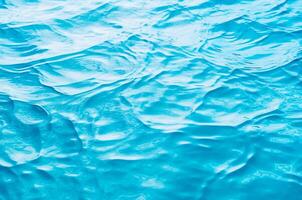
[(151, 100)]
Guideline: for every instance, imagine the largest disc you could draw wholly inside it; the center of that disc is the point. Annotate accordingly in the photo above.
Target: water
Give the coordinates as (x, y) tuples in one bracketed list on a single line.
[(123, 99)]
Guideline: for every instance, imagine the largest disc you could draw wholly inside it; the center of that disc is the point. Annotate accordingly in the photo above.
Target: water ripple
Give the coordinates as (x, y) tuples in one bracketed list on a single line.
[(150, 99)]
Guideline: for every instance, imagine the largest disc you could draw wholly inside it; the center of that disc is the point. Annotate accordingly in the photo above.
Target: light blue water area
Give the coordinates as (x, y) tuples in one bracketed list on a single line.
[(150, 99)]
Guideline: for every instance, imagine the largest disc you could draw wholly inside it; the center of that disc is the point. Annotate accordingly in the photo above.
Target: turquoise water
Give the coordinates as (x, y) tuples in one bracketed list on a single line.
[(132, 99)]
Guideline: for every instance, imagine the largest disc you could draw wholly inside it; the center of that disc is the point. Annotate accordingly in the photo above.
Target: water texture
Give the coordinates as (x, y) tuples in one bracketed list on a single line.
[(132, 99)]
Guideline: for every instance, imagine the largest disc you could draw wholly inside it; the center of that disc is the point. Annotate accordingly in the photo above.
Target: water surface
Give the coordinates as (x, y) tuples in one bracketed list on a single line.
[(132, 99)]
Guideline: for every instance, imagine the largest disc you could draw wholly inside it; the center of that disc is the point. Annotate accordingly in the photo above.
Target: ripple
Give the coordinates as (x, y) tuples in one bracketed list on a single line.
[(150, 99), (21, 139)]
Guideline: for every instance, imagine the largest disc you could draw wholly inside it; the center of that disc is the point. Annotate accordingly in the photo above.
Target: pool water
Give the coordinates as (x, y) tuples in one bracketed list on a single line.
[(151, 100)]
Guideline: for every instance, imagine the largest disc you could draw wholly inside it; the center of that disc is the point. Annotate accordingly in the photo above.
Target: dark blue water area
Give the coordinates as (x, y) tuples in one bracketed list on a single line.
[(151, 100)]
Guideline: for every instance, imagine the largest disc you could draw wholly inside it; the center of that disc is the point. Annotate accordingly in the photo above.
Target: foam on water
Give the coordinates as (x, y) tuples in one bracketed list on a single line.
[(121, 99)]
